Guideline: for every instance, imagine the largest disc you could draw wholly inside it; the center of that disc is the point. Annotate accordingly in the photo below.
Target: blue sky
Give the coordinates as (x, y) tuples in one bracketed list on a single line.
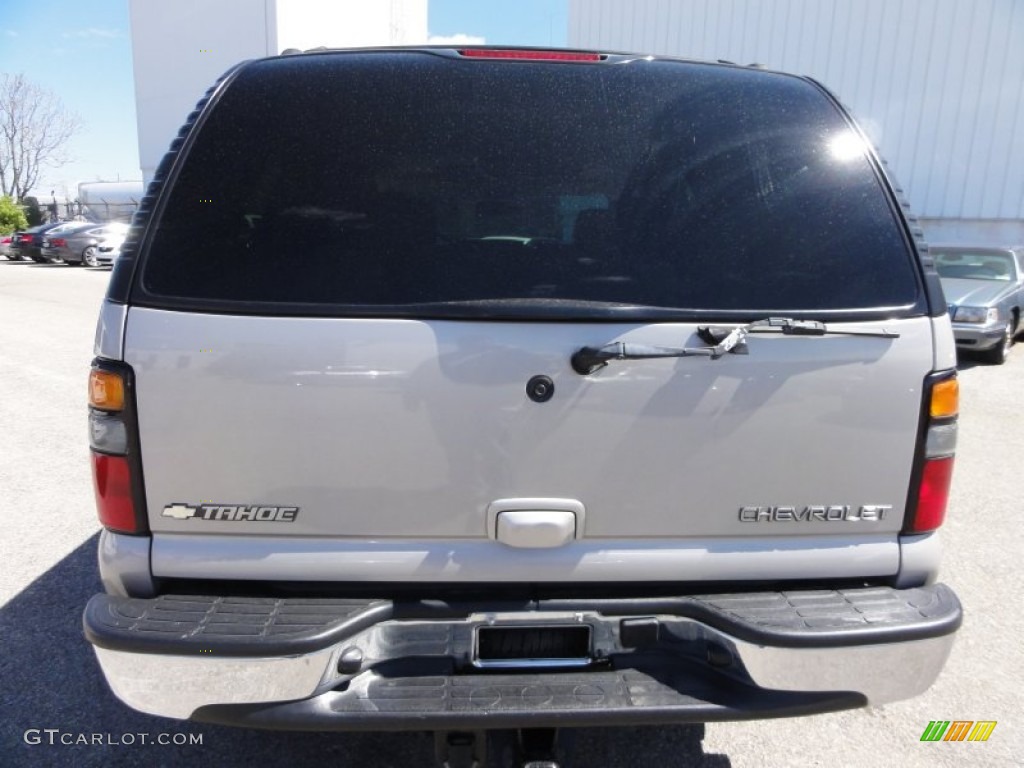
[(82, 52), (512, 22)]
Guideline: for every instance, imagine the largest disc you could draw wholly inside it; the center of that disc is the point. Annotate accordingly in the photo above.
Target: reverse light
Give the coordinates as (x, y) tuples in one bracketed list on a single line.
[(107, 433), (933, 473), (483, 53)]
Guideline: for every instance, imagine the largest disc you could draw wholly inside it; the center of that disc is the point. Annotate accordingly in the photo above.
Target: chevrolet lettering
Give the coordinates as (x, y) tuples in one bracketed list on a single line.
[(831, 514)]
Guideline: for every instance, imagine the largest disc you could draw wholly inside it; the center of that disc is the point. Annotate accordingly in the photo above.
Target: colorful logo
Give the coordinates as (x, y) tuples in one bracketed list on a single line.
[(958, 730)]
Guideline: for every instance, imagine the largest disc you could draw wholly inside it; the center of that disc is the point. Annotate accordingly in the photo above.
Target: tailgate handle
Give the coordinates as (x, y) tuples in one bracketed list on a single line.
[(535, 523), (536, 528)]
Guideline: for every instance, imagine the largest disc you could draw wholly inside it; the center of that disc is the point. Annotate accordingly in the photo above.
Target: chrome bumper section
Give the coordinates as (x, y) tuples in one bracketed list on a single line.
[(376, 665)]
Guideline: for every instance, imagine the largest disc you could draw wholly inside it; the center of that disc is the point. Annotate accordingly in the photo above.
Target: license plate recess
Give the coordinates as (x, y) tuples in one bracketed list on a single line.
[(547, 645)]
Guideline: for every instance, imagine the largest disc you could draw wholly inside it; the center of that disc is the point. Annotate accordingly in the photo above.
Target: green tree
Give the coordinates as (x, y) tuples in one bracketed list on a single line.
[(11, 216), (33, 212)]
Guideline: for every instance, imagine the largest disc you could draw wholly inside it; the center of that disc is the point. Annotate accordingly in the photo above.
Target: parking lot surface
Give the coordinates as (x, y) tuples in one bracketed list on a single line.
[(55, 708)]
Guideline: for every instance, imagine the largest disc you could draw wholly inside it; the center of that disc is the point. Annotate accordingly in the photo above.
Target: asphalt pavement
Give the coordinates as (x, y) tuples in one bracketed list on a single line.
[(56, 710)]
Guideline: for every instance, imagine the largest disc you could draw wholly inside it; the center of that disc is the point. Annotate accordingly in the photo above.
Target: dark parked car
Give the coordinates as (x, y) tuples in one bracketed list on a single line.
[(28, 244), (20, 241), (984, 288), (79, 243)]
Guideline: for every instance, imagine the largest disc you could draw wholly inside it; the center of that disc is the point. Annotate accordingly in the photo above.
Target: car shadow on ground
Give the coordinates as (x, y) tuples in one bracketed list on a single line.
[(51, 680), (964, 362)]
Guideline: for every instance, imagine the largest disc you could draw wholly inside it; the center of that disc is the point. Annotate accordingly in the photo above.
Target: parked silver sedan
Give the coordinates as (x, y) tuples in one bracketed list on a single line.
[(80, 244), (984, 288)]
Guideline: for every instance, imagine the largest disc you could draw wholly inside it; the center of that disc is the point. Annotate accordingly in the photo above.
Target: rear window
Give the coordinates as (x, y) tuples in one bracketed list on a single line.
[(975, 265), (411, 182)]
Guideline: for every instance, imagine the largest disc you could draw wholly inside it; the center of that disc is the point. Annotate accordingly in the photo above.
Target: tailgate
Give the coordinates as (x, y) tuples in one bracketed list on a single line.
[(356, 431), (334, 324)]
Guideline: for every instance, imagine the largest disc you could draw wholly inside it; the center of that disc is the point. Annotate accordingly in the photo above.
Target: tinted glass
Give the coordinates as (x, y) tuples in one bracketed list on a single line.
[(976, 265), (409, 179)]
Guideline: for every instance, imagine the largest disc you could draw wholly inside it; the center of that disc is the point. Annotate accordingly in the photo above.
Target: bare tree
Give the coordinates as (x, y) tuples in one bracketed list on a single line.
[(34, 131)]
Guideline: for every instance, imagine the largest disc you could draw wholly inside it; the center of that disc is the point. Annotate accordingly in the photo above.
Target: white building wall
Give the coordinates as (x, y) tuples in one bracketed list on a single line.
[(937, 84), (305, 24), (178, 50), (180, 47)]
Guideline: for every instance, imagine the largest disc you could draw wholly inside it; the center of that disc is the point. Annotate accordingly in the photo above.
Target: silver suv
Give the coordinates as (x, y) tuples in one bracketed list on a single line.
[(458, 390)]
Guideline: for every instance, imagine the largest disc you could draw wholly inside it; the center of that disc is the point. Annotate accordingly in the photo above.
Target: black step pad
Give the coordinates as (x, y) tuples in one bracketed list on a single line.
[(254, 626)]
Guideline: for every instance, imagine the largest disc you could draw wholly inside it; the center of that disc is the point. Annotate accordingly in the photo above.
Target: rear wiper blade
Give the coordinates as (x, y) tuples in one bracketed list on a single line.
[(721, 340), (790, 327)]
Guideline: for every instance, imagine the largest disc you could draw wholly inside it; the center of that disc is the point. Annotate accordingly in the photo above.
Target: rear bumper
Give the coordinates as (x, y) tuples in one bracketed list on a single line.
[(327, 664)]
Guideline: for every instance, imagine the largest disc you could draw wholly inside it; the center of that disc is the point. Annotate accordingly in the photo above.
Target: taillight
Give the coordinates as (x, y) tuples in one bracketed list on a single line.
[(112, 481), (58, 242), (933, 472), (486, 53), (116, 469)]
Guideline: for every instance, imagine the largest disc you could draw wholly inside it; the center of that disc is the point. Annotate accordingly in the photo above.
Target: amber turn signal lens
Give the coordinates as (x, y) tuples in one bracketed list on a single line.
[(106, 390), (945, 399)]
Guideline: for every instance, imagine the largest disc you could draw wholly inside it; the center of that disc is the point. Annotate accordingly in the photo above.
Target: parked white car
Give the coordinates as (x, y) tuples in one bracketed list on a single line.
[(109, 248)]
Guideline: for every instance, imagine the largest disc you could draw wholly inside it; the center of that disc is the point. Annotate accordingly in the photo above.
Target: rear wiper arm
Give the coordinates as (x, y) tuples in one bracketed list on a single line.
[(720, 340), (586, 360)]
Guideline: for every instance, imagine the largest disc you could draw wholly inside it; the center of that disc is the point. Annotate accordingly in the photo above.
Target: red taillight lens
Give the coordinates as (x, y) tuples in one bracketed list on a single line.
[(113, 483), (483, 53), (932, 495), (58, 242)]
